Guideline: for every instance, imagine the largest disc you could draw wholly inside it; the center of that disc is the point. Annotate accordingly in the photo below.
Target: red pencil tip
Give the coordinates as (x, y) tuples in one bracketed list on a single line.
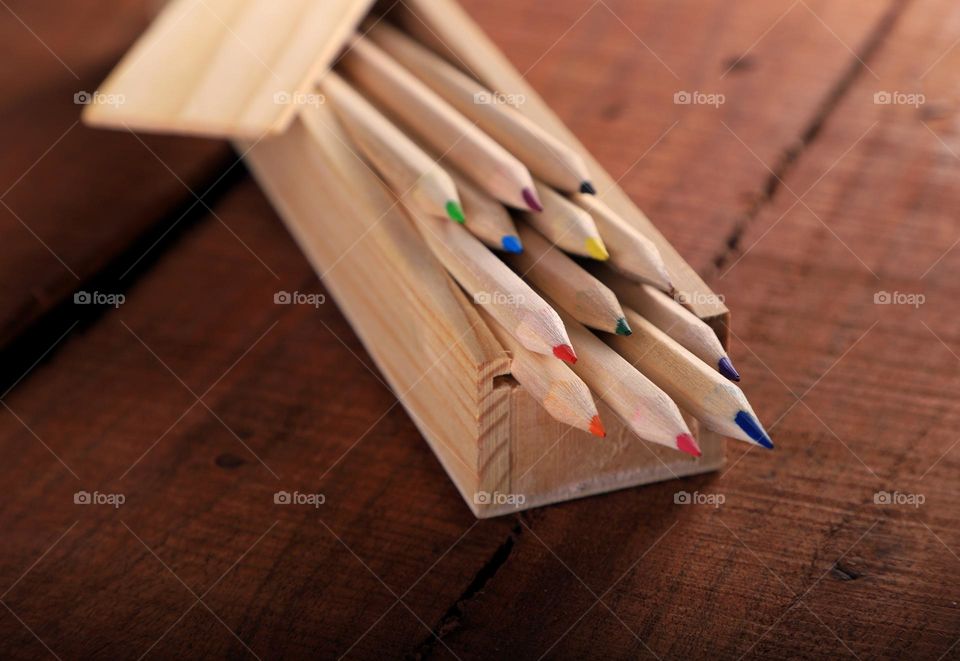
[(596, 427), (530, 197), (565, 353), (687, 443)]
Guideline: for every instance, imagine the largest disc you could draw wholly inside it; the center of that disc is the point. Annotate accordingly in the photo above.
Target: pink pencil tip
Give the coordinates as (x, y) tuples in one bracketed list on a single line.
[(687, 443), (565, 353), (596, 427), (530, 197)]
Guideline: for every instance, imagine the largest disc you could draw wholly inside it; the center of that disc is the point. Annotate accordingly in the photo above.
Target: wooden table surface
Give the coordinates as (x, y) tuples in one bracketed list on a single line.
[(825, 174)]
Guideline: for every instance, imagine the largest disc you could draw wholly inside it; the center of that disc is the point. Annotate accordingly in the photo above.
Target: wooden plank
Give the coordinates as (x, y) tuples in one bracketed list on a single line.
[(699, 581), (75, 199), (297, 390), (712, 585), (877, 193), (226, 68), (428, 341)]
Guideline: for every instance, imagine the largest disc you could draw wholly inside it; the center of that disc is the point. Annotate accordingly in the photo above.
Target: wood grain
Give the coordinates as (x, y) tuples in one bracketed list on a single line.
[(227, 68), (112, 189), (797, 563)]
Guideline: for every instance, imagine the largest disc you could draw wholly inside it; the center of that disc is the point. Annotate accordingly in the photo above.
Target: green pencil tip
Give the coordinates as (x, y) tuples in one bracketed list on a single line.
[(623, 328), (455, 212)]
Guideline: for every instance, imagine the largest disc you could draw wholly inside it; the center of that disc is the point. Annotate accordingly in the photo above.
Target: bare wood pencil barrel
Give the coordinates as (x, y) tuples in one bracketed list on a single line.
[(502, 450)]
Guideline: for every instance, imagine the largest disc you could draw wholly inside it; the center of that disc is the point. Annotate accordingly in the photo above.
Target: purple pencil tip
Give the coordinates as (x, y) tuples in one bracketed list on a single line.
[(727, 369), (530, 197)]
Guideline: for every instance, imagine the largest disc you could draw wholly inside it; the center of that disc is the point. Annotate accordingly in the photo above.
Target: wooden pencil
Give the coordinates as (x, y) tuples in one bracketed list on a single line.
[(547, 157), (631, 252), (489, 220), (691, 383), (567, 225), (673, 319), (492, 285), (439, 125), (587, 299), (406, 168), (551, 383), (647, 410)]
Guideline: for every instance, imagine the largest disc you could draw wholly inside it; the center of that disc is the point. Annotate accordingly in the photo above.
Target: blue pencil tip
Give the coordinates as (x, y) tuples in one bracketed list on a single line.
[(752, 428), (727, 369), (512, 244)]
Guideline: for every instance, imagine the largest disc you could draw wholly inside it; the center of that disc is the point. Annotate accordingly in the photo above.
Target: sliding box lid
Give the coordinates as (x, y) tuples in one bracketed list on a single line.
[(225, 68)]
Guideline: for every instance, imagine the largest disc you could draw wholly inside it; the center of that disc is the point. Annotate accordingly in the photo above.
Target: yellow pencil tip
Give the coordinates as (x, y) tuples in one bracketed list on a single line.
[(596, 249)]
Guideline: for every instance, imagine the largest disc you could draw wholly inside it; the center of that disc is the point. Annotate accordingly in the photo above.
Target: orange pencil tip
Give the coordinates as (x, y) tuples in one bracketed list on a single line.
[(565, 353), (596, 427)]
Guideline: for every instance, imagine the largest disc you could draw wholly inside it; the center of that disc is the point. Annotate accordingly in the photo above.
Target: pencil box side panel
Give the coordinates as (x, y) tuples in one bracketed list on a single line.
[(428, 341)]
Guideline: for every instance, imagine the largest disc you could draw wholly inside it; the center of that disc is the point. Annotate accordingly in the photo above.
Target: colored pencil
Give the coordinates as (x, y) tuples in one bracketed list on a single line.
[(691, 383), (551, 383), (492, 285), (631, 252), (567, 225), (489, 220), (673, 319), (406, 168), (547, 158), (439, 125), (587, 299), (646, 409)]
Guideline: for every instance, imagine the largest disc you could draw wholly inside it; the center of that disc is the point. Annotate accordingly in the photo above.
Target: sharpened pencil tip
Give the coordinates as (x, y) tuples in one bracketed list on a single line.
[(530, 197), (623, 328), (512, 244), (596, 427), (687, 443), (596, 249), (565, 353), (587, 188), (727, 369), (752, 428), (455, 212)]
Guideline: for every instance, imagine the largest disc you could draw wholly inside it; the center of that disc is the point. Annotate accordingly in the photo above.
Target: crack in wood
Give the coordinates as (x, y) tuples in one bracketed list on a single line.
[(118, 276), (452, 618), (792, 153)]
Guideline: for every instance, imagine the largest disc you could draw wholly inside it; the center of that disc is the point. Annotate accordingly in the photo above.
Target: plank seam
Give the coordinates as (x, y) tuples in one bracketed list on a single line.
[(792, 154), (150, 246), (452, 618)]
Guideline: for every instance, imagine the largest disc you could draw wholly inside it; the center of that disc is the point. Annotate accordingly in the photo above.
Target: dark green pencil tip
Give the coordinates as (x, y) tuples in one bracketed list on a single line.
[(455, 212), (623, 328)]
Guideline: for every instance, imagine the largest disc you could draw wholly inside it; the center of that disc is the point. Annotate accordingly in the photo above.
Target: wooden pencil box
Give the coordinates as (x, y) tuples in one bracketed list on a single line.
[(245, 70)]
